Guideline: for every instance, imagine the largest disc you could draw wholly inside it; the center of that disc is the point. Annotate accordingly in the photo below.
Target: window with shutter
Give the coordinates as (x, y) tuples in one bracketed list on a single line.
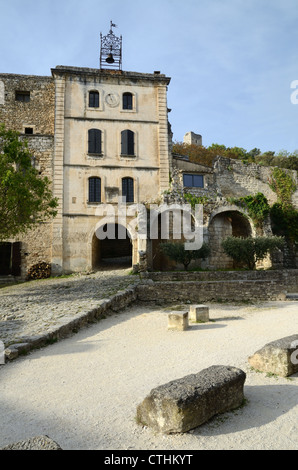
[(127, 189), (127, 143), (93, 99), (127, 101), (94, 189), (94, 141)]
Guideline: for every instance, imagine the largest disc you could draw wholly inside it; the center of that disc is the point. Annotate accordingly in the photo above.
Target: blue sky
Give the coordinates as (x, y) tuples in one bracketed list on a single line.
[(231, 62)]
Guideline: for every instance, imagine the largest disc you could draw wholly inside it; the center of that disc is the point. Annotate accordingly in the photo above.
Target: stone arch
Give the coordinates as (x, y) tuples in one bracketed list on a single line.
[(117, 248), (224, 222), (175, 231)]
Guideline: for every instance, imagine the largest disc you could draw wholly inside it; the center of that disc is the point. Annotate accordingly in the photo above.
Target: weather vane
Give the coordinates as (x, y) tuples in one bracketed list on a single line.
[(111, 50)]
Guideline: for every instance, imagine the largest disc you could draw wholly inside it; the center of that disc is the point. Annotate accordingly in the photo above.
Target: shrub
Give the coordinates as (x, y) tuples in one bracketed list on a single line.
[(177, 252), (250, 250)]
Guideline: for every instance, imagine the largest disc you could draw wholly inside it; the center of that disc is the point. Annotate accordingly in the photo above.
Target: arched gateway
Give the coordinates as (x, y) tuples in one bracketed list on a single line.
[(111, 244), (223, 223)]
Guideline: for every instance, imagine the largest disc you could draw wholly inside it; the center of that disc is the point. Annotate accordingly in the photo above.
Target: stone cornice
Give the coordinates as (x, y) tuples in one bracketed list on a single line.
[(109, 74)]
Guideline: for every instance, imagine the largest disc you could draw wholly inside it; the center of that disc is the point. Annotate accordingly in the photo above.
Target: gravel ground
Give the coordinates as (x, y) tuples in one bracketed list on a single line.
[(83, 392)]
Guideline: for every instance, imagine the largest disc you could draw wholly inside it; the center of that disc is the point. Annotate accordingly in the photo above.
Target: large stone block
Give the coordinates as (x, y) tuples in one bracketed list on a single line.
[(188, 402), (278, 357)]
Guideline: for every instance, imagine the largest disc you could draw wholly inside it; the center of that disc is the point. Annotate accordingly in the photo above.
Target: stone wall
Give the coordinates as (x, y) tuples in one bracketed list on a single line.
[(236, 179), (38, 113), (217, 286)]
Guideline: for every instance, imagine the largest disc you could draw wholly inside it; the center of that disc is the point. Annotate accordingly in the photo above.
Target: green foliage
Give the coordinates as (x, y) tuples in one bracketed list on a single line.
[(177, 252), (284, 220), (25, 197), (194, 200), (250, 250), (283, 185), (206, 155), (284, 216), (256, 205)]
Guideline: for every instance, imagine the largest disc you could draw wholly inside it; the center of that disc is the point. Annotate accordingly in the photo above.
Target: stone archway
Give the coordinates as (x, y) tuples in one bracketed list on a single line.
[(114, 250), (223, 224), (170, 223)]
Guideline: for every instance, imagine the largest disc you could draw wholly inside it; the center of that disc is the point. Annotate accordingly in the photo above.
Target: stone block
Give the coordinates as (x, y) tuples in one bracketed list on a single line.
[(278, 357), (186, 403), (178, 321), (199, 313)]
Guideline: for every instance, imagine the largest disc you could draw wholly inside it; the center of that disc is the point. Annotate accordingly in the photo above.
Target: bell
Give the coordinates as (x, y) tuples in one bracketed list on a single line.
[(110, 59)]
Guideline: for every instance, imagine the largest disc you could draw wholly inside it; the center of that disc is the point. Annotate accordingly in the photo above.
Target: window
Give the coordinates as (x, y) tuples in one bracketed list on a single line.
[(94, 189), (93, 99), (23, 96), (193, 181), (127, 189), (94, 141), (127, 101), (29, 130), (127, 143)]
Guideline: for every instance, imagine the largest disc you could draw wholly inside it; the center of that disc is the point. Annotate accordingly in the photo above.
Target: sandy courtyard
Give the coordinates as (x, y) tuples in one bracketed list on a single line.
[(83, 391)]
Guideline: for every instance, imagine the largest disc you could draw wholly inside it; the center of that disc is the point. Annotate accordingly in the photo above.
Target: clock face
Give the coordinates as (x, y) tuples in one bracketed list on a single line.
[(112, 99)]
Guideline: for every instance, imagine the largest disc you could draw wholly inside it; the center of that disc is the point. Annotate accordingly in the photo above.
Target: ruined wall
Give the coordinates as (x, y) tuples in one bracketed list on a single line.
[(236, 179)]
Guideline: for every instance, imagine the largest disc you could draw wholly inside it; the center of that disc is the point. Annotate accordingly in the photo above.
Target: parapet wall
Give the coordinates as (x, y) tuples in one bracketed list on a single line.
[(217, 286)]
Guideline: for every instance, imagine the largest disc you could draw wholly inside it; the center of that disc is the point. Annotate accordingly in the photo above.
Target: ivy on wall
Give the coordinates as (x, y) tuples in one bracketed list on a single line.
[(256, 206), (284, 216)]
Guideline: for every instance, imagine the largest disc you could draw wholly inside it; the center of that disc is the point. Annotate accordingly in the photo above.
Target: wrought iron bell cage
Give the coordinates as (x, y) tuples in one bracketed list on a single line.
[(111, 50)]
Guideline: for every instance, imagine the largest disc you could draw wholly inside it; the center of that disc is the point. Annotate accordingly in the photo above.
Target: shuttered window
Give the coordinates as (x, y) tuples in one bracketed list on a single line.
[(127, 101), (94, 141), (93, 99), (127, 143), (94, 189), (127, 189)]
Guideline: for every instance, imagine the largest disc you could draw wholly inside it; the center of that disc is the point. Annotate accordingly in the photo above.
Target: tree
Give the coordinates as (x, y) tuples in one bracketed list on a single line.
[(177, 252), (250, 250), (25, 197)]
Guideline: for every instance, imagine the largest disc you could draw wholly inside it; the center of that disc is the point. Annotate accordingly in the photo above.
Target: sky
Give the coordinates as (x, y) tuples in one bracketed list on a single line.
[(231, 62)]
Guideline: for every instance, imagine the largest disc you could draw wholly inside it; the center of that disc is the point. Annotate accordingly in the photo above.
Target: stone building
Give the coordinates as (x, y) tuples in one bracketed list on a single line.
[(102, 137)]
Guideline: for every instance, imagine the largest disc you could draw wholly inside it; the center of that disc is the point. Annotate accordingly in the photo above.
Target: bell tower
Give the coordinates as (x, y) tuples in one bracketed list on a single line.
[(111, 50)]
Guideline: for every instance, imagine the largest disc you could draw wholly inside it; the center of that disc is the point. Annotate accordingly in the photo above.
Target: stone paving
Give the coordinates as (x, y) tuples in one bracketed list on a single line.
[(37, 307)]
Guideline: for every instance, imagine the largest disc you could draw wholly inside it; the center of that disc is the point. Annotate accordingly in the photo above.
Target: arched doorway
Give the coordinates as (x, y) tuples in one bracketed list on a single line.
[(115, 250), (222, 225), (170, 225)]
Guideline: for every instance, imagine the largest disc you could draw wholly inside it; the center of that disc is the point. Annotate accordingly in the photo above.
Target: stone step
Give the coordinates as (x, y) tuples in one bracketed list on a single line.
[(292, 296), (7, 279)]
